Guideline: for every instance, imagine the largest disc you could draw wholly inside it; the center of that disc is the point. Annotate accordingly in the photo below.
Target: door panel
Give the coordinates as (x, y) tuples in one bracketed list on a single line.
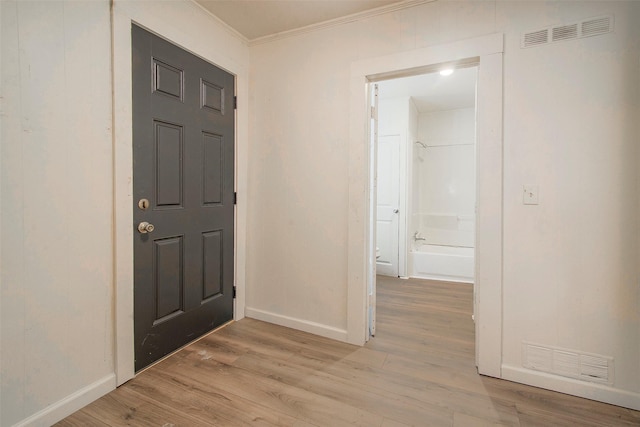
[(183, 157), (212, 260), (168, 141), (388, 199), (212, 158), (167, 276)]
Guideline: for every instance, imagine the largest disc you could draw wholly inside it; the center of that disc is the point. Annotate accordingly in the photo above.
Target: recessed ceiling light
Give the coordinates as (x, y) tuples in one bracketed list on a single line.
[(446, 72)]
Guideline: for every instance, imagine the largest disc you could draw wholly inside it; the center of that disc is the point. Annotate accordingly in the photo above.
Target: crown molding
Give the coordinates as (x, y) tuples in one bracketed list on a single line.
[(223, 24), (334, 22)]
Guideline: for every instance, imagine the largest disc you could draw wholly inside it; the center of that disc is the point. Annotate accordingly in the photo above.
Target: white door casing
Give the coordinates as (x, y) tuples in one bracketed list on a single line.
[(373, 166)]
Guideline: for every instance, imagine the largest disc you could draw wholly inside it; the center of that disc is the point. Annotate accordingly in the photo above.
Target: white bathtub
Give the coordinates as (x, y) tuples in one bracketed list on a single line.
[(454, 264)]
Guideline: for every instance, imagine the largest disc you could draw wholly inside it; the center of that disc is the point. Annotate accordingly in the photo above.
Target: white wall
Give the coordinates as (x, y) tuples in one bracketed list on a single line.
[(64, 209), (570, 274), (296, 228), (57, 205), (446, 177)]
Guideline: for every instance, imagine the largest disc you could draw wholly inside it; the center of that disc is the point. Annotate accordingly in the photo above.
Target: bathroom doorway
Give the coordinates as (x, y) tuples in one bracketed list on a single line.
[(426, 175), (485, 52)]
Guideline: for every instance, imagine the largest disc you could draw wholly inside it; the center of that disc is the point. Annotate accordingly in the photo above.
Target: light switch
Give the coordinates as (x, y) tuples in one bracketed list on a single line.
[(530, 195)]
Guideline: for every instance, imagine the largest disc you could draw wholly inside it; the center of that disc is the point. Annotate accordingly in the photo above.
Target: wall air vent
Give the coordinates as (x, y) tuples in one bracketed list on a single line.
[(568, 363), (535, 38), (586, 28), (566, 32), (596, 26)]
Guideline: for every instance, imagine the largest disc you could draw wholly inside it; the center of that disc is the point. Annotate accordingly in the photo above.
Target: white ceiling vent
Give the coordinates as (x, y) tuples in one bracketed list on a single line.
[(586, 28), (568, 363)]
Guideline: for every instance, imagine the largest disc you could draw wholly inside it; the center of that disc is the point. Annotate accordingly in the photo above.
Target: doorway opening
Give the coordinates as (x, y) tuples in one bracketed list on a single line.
[(426, 175), (422, 185), (485, 52)]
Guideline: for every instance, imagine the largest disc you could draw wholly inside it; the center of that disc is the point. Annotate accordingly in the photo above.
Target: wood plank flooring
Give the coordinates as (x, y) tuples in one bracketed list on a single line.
[(418, 371)]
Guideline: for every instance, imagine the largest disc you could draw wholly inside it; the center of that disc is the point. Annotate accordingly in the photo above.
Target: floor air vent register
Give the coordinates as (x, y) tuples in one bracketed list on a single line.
[(568, 363)]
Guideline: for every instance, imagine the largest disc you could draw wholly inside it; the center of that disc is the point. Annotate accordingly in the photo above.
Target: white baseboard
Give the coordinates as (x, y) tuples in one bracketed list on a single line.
[(593, 391), (299, 324), (443, 278), (70, 404)]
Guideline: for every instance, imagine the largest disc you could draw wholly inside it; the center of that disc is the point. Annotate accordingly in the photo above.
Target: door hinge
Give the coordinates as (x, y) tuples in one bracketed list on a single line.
[(234, 292), (235, 198), (235, 102)]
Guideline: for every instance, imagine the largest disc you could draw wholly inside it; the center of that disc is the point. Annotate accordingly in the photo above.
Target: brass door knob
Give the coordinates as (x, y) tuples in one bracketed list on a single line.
[(144, 227)]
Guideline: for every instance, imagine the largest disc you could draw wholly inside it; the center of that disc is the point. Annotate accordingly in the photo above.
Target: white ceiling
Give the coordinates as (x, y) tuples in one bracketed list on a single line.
[(433, 92), (259, 18)]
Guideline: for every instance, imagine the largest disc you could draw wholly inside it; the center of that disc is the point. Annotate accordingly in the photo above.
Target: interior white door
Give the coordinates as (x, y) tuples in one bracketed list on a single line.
[(388, 199)]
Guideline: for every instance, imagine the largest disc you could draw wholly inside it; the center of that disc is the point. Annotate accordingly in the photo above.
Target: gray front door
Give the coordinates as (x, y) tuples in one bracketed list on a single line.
[(183, 171)]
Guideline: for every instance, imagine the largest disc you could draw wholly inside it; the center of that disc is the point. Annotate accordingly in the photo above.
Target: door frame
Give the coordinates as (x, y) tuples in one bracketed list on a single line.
[(487, 52), (123, 15)]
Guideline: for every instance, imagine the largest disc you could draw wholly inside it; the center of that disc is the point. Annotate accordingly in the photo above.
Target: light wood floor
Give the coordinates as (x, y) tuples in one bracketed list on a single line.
[(418, 370)]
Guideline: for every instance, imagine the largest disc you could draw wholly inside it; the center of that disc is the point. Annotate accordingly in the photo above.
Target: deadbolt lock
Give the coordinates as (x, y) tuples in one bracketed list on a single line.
[(144, 227), (143, 204)]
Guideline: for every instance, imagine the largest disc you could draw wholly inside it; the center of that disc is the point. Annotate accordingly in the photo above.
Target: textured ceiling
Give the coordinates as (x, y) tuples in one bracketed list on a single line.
[(259, 18)]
